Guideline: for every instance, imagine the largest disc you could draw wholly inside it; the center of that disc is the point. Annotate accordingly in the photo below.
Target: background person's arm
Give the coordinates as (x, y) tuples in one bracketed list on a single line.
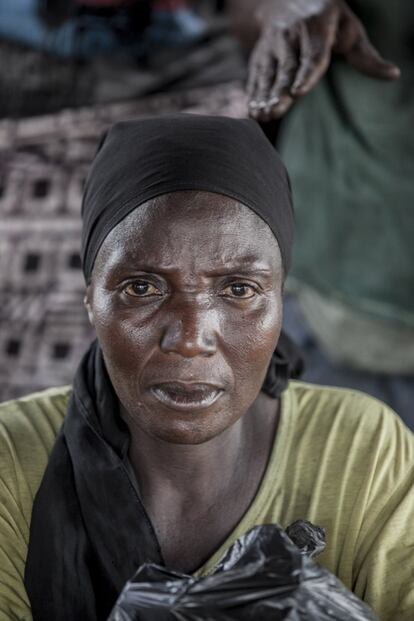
[(295, 41)]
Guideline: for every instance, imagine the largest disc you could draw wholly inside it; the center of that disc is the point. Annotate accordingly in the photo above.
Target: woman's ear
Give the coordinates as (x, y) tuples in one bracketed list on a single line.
[(88, 305)]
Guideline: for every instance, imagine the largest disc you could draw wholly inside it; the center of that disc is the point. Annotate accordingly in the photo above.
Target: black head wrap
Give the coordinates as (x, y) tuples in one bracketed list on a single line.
[(140, 160), (82, 552)]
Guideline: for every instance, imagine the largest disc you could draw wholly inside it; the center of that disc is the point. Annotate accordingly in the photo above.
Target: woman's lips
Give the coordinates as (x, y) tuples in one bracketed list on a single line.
[(186, 396)]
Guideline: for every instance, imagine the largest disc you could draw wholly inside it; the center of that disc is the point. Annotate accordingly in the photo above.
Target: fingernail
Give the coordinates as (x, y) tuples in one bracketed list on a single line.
[(395, 71)]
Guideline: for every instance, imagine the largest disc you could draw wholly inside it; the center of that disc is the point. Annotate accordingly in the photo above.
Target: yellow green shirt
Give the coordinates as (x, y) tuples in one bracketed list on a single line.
[(341, 459)]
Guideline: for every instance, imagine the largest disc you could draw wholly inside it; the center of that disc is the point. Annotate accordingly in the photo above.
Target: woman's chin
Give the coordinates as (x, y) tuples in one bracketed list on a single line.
[(190, 426)]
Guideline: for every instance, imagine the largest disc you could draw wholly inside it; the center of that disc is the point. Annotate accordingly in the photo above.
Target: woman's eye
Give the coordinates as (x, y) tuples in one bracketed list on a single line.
[(141, 289), (240, 290)]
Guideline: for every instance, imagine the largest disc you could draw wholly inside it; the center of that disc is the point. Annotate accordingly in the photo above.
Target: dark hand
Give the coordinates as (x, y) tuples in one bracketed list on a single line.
[(294, 51)]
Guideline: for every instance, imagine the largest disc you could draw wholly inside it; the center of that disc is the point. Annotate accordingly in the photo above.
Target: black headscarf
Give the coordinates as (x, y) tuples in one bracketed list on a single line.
[(89, 531), (140, 160)]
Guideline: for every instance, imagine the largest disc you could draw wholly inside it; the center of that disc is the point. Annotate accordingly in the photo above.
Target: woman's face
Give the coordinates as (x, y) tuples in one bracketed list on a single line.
[(186, 300)]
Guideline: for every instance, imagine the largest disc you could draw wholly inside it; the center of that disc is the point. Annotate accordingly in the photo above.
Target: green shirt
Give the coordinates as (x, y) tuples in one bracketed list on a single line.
[(349, 149), (341, 459)]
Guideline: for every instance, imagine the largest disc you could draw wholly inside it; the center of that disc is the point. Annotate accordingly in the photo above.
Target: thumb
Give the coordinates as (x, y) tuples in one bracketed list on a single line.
[(353, 43), (364, 57)]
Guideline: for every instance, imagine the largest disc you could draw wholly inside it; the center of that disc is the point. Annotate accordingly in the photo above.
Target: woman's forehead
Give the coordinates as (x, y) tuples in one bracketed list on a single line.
[(197, 226)]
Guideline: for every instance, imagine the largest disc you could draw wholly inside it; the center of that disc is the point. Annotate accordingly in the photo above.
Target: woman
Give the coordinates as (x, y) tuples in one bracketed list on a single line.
[(181, 431)]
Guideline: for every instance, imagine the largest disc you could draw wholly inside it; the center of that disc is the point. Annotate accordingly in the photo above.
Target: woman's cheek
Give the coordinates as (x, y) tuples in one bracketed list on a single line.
[(260, 327), (257, 340)]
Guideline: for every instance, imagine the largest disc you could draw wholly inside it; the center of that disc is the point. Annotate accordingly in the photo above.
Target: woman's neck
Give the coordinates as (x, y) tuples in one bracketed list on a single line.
[(195, 495), (205, 470)]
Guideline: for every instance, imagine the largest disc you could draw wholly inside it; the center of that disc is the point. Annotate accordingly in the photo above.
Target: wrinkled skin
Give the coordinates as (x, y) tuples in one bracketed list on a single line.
[(189, 287), (295, 42), (188, 323)]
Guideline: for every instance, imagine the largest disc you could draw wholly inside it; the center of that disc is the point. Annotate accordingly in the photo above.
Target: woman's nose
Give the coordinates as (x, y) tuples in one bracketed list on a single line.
[(190, 332)]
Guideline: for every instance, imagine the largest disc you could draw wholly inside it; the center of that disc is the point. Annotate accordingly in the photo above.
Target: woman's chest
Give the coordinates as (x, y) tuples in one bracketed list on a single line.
[(188, 539)]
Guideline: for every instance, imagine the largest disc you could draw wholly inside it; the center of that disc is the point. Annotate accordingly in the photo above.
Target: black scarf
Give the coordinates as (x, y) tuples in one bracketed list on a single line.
[(89, 531)]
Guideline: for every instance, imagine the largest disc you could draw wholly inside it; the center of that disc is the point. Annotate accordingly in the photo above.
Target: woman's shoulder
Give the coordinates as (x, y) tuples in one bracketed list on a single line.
[(28, 429), (348, 427), (348, 418), (39, 412), (331, 403)]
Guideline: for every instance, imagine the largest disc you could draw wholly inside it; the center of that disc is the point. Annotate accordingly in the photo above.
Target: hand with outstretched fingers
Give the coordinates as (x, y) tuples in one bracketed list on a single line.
[(294, 50)]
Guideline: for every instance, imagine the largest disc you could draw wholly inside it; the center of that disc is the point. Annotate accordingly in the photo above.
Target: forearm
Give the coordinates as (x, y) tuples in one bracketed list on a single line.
[(244, 20), (249, 17)]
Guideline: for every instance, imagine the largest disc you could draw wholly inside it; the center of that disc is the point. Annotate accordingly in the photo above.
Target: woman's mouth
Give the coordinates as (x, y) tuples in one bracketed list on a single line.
[(186, 396)]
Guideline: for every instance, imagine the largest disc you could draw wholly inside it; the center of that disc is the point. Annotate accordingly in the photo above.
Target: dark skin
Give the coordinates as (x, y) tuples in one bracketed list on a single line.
[(180, 293), (294, 41)]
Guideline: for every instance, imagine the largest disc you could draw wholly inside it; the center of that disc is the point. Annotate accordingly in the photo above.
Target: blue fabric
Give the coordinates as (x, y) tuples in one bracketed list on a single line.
[(173, 29), (90, 35), (81, 36)]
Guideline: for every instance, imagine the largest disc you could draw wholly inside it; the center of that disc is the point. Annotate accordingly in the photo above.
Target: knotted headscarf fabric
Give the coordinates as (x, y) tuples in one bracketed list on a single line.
[(89, 530), (140, 160)]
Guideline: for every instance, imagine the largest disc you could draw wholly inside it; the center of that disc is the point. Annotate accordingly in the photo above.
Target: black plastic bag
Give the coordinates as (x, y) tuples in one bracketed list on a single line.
[(264, 576)]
